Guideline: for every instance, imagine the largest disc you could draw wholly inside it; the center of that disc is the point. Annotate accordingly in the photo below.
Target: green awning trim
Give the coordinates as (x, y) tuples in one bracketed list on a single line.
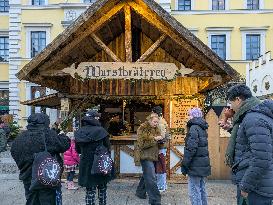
[(3, 107)]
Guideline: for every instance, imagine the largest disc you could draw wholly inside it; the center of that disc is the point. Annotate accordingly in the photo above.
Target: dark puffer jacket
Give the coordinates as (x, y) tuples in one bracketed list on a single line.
[(196, 160), (3, 140), (253, 168), (32, 141), (87, 138)]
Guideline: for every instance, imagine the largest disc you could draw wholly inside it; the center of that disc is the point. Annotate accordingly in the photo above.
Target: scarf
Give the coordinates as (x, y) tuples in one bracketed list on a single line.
[(237, 119)]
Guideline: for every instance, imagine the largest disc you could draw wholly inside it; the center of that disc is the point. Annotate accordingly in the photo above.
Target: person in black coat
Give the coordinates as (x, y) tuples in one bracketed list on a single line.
[(250, 149), (30, 142), (88, 138), (196, 162)]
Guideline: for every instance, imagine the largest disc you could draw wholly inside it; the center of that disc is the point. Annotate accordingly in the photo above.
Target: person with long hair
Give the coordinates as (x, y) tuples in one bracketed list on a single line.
[(148, 135)]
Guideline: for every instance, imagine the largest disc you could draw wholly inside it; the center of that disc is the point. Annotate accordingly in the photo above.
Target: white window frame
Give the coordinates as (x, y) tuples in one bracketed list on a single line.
[(221, 32), (261, 4), (30, 3), (192, 5), (29, 29), (82, 1), (4, 85), (4, 33), (262, 34), (226, 5), (28, 97)]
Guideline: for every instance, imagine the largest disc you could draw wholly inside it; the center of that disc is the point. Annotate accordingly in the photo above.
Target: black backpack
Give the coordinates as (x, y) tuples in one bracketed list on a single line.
[(46, 170), (102, 163)]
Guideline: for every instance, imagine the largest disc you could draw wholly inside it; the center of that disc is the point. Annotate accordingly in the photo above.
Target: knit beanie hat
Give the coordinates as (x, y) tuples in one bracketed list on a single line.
[(195, 112)]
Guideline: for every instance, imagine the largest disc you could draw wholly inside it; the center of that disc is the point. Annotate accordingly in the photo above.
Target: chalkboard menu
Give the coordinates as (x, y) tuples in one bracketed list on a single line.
[(179, 118)]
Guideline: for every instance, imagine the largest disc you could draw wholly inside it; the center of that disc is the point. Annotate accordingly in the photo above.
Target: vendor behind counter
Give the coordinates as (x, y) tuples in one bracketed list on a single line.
[(116, 126)]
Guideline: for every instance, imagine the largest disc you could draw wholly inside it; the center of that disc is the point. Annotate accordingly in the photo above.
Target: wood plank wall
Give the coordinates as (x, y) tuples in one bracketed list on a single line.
[(181, 85)]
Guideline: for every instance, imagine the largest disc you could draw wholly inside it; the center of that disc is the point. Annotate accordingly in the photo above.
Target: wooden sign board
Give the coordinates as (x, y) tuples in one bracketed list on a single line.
[(65, 104), (124, 70), (179, 117)]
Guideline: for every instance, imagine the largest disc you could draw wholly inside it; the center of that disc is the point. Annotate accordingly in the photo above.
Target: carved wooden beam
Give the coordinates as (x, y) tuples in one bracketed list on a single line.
[(105, 48), (200, 74), (210, 83), (176, 151), (53, 73), (176, 166), (152, 48), (128, 33), (127, 150)]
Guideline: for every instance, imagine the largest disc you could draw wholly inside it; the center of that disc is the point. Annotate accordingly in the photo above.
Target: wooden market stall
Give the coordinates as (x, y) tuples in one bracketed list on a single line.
[(132, 51)]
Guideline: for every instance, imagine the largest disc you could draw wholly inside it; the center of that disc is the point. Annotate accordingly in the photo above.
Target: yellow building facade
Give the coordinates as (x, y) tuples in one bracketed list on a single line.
[(237, 30)]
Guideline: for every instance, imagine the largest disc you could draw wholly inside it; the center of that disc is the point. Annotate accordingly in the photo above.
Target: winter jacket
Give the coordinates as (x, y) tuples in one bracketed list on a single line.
[(71, 157), (253, 168), (88, 138), (3, 140), (147, 145), (31, 141), (196, 161)]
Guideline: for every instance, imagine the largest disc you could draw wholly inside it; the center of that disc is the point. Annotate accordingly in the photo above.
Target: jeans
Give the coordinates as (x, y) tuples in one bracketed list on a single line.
[(148, 184), (44, 196), (197, 190), (254, 198), (161, 178), (70, 176), (90, 197)]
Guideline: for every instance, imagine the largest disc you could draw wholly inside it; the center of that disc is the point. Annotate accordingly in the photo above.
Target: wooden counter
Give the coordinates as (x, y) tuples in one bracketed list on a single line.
[(120, 143)]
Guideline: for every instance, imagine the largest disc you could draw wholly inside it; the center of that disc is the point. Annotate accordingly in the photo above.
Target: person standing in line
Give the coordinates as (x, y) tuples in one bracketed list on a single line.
[(71, 161), (30, 142), (148, 135), (161, 164), (196, 161), (88, 138), (3, 140), (249, 152)]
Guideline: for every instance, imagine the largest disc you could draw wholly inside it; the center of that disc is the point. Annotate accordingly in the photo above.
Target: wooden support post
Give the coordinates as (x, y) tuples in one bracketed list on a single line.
[(152, 48), (167, 112), (128, 33), (105, 47), (117, 159)]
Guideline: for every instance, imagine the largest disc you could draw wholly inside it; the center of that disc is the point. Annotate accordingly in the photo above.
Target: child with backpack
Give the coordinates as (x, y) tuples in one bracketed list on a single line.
[(71, 161)]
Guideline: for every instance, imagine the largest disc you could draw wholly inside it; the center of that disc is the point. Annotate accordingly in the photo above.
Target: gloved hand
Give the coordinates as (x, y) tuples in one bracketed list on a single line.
[(184, 170)]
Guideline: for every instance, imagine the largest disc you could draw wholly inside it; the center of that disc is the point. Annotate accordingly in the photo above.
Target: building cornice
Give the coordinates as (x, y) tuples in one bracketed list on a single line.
[(235, 11), (238, 61), (37, 24), (219, 28), (4, 13), (54, 6), (4, 32), (4, 85), (260, 28)]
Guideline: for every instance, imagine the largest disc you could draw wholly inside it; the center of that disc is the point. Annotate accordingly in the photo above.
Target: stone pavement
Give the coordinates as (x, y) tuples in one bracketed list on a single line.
[(121, 192)]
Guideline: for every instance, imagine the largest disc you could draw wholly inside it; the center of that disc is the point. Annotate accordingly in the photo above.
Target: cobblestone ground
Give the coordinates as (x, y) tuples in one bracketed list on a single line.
[(121, 192)]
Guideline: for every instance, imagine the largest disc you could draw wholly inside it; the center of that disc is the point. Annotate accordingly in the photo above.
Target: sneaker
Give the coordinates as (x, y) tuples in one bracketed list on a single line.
[(66, 184), (71, 186), (141, 196)]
